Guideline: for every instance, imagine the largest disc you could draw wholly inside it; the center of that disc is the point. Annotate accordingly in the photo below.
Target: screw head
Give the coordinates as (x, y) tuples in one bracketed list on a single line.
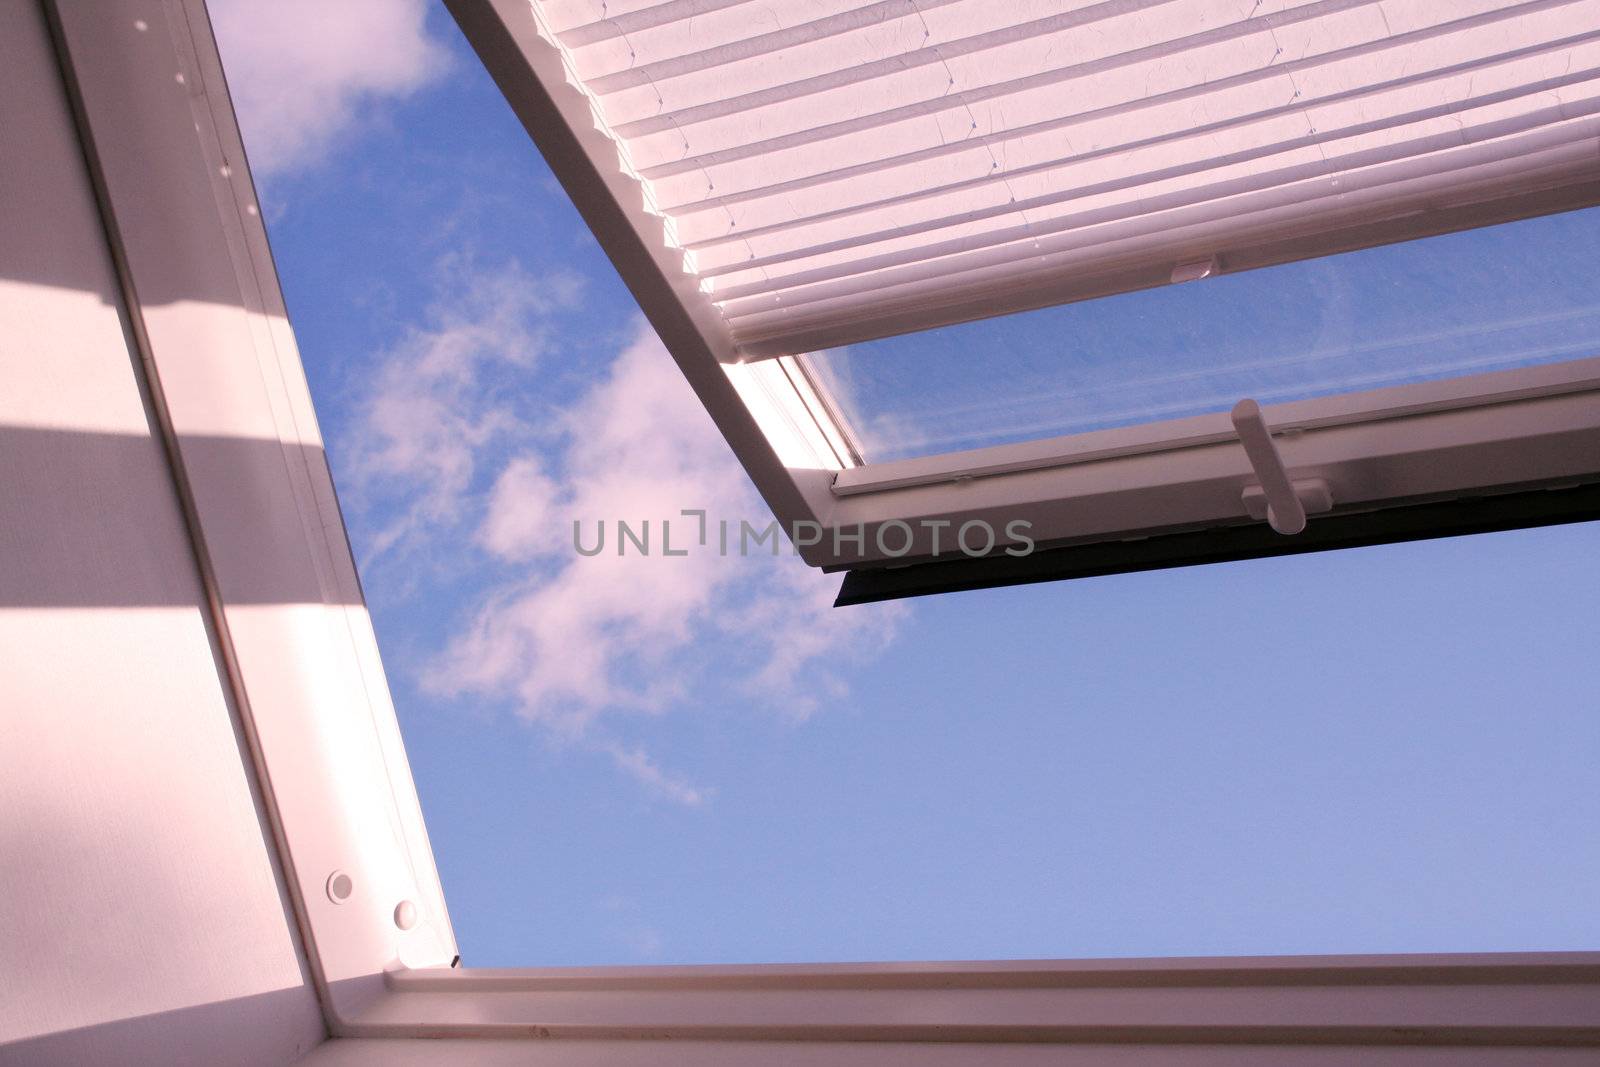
[(405, 915), (339, 887)]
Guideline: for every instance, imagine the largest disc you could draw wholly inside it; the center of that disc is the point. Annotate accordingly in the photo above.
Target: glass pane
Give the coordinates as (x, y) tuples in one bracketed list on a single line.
[(1481, 300)]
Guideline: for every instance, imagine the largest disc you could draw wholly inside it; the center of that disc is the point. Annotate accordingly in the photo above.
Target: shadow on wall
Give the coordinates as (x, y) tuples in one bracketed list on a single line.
[(81, 520), (73, 481), (224, 1032), (143, 919)]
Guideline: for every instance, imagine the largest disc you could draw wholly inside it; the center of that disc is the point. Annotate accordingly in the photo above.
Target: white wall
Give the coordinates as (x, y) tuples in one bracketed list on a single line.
[(142, 915)]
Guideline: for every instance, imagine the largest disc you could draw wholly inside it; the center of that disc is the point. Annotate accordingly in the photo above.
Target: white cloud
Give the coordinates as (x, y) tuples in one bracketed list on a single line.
[(594, 635), (301, 72), (521, 522), (637, 762), (429, 412), (578, 644)]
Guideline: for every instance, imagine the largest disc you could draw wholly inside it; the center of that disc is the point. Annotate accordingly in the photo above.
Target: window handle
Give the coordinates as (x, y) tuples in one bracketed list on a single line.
[(1286, 500)]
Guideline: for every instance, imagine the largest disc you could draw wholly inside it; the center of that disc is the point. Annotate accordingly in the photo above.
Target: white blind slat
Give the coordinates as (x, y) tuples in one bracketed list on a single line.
[(1029, 203), (853, 168)]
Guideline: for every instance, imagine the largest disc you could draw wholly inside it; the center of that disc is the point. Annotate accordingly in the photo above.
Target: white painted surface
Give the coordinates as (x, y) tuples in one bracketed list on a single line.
[(1386, 1004), (539, 1053), (142, 916), (234, 408)]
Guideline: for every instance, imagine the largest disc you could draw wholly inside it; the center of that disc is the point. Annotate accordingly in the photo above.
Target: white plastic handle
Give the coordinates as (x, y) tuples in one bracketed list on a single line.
[(1285, 513)]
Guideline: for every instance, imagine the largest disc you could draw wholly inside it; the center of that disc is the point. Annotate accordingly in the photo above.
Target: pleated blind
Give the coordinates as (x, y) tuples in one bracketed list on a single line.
[(838, 170)]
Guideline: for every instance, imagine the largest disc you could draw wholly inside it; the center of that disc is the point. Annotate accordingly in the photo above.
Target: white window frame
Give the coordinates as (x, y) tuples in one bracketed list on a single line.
[(222, 369), (220, 363), (1486, 434)]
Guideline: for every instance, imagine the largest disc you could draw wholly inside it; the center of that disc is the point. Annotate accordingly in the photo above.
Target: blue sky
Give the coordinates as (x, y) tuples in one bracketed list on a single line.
[(1382, 750)]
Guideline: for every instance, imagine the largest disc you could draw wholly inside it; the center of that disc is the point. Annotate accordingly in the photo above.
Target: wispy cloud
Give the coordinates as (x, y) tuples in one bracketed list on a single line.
[(448, 398), (301, 72), (637, 763), (449, 458)]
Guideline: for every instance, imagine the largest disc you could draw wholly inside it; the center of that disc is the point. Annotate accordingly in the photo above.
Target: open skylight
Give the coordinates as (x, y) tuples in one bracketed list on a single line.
[(215, 845), (1366, 218)]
